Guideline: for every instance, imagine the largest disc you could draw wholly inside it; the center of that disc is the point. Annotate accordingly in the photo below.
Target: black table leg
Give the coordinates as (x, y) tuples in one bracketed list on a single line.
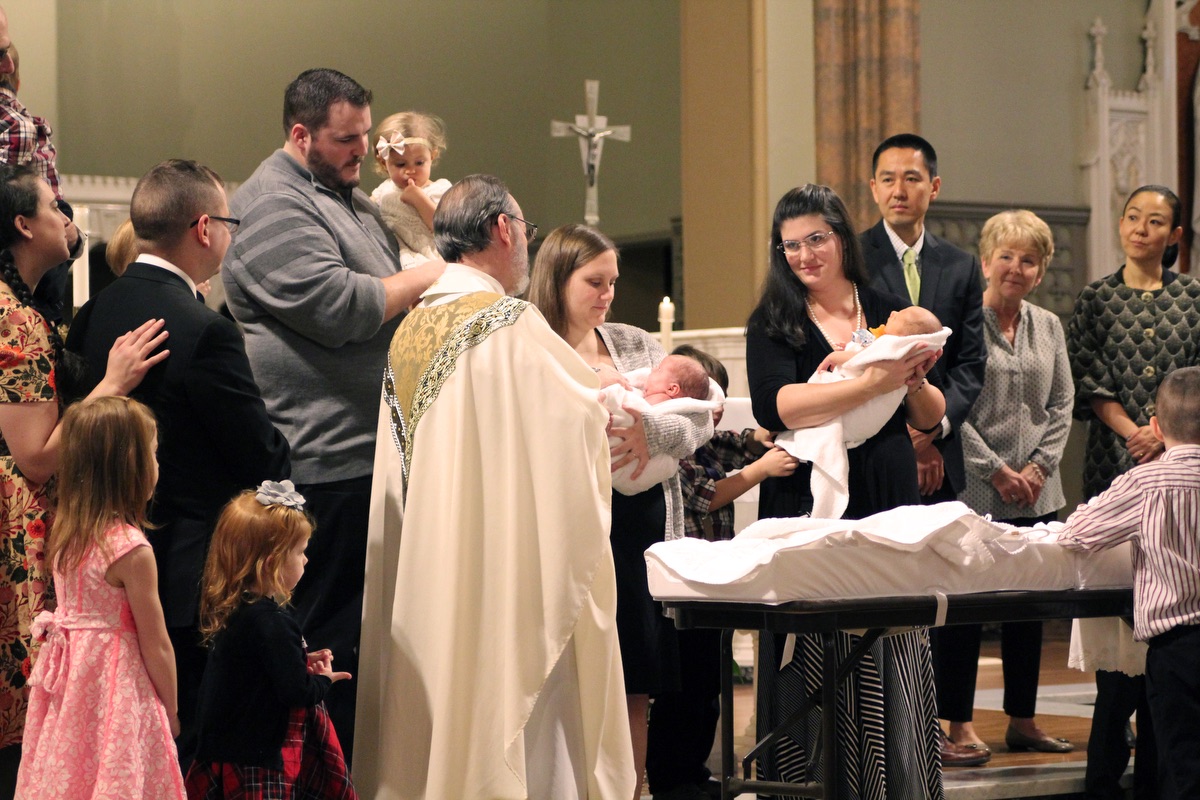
[(727, 714)]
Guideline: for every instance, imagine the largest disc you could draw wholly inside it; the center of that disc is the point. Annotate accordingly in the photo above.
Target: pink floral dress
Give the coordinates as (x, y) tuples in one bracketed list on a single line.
[(26, 376), (95, 727)]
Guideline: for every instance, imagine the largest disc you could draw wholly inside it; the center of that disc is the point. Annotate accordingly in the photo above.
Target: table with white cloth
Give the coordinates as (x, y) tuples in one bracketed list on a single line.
[(908, 567)]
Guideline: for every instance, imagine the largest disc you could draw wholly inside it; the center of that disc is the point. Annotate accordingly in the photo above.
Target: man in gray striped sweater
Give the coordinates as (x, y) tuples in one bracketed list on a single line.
[(314, 278)]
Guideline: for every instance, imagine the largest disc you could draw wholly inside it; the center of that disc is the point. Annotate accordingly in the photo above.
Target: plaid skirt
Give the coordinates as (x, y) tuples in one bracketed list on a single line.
[(313, 767)]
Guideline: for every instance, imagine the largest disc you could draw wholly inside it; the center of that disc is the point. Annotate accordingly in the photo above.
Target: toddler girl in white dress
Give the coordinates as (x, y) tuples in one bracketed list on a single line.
[(407, 145)]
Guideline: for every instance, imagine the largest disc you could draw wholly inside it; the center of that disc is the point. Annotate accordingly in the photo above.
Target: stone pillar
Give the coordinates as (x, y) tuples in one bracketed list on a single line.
[(747, 136)]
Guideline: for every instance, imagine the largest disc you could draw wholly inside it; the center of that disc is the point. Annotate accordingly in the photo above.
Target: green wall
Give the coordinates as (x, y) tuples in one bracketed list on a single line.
[(1002, 92), (144, 80)]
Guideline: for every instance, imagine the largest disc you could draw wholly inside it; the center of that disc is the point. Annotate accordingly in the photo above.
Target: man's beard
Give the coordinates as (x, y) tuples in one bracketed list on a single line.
[(327, 174), (520, 265)]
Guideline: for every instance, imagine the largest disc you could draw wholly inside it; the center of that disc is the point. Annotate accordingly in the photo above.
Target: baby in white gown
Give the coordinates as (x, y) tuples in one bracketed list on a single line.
[(825, 445), (407, 145), (678, 385)]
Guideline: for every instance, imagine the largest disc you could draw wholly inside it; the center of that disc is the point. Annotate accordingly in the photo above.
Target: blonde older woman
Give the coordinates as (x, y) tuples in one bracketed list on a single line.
[(1013, 442)]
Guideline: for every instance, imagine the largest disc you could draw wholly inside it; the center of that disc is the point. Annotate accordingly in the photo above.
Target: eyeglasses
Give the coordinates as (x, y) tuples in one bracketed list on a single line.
[(231, 222), (530, 228), (793, 247)]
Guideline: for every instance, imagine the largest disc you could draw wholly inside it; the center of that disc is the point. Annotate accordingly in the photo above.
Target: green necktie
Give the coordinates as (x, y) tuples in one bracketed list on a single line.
[(912, 278)]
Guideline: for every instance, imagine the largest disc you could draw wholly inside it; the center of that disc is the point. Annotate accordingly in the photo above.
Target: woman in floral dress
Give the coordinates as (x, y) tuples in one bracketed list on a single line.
[(33, 240)]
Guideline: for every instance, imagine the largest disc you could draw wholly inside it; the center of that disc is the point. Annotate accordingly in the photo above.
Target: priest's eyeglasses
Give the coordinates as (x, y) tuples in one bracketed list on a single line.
[(530, 228), (793, 247), (231, 222)]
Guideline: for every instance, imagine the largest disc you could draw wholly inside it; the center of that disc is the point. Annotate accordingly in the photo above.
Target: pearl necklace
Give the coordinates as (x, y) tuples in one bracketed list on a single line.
[(812, 314)]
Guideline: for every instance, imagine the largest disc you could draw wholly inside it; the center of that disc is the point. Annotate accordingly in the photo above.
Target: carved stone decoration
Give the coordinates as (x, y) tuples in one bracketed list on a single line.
[(1149, 34), (1183, 23), (1130, 135), (1127, 163), (1098, 76)]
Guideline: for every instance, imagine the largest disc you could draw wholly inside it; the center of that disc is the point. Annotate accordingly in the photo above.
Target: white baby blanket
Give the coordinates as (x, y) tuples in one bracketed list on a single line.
[(825, 446), (661, 467)]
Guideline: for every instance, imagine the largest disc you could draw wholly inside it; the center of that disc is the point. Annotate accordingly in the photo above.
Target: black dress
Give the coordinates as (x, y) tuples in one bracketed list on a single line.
[(649, 641), (887, 726)]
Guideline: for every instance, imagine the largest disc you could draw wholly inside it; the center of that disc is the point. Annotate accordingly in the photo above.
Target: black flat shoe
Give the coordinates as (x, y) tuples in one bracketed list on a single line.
[(1018, 742)]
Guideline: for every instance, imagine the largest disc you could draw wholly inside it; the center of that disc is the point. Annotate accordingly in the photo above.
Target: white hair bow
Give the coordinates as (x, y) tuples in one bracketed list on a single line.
[(280, 493), (398, 142)]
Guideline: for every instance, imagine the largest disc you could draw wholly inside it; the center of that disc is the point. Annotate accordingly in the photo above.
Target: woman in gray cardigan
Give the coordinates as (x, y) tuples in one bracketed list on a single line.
[(573, 284)]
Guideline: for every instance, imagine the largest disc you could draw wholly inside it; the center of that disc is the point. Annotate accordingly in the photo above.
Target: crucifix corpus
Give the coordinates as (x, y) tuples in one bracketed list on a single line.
[(592, 130)]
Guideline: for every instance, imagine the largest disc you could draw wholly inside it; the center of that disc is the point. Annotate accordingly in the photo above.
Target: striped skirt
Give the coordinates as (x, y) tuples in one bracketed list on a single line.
[(887, 728)]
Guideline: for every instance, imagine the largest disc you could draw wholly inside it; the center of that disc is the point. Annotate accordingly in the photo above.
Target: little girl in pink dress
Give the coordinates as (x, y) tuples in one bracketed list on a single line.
[(102, 704)]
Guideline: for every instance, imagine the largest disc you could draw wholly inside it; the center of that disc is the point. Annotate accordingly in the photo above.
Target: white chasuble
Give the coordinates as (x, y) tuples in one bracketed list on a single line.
[(488, 558)]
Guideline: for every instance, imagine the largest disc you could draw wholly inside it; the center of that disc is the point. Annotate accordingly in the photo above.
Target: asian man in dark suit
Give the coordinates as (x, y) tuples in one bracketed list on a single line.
[(214, 438), (906, 259), (948, 282)]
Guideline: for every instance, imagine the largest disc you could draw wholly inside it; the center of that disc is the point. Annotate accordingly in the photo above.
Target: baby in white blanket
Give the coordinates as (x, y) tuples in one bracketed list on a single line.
[(825, 445), (678, 385)]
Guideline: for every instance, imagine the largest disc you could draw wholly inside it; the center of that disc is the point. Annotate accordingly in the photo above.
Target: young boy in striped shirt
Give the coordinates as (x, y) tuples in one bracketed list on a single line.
[(1157, 507)]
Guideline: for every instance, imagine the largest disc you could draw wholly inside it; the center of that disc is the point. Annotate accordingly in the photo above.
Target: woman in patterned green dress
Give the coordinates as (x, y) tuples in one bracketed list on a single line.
[(1128, 331), (33, 240)]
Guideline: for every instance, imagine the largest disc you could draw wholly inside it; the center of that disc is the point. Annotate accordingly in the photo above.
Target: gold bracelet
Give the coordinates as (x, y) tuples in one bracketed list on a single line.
[(1041, 473)]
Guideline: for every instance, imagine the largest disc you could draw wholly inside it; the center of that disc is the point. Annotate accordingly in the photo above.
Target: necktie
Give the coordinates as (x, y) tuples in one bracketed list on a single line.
[(912, 278)]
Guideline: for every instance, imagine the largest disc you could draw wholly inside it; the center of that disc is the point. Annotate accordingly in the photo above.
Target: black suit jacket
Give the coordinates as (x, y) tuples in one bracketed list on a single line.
[(952, 288), (214, 438)]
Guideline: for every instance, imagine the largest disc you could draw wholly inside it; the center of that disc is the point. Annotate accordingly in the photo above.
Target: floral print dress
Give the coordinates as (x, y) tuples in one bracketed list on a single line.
[(26, 376)]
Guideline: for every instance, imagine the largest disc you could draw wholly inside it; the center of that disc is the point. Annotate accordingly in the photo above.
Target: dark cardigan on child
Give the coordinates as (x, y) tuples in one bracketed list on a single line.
[(257, 673)]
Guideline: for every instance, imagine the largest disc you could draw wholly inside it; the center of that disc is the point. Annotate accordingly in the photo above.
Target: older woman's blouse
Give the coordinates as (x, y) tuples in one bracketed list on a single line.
[(1122, 342), (1023, 413)]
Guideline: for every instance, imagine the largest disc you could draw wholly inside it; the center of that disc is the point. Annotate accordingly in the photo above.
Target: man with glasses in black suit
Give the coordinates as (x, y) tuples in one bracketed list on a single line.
[(214, 437)]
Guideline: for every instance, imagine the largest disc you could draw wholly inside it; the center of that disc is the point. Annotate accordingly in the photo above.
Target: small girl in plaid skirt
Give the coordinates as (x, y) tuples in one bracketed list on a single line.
[(264, 733)]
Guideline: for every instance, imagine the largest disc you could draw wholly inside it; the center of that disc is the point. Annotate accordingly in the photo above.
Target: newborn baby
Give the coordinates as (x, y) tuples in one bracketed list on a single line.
[(905, 330), (678, 385), (911, 321), (825, 445)]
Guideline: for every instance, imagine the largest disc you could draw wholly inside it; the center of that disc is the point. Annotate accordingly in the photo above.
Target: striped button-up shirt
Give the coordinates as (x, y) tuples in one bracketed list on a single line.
[(1157, 507)]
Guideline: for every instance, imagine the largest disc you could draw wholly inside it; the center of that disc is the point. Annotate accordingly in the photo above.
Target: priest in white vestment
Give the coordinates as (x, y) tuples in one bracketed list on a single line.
[(489, 661)]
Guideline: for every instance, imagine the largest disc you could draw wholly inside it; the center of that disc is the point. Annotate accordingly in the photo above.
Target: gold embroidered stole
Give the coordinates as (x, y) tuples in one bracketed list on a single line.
[(425, 351)]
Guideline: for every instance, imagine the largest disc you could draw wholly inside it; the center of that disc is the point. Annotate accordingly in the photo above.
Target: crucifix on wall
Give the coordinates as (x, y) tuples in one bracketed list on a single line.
[(592, 130)]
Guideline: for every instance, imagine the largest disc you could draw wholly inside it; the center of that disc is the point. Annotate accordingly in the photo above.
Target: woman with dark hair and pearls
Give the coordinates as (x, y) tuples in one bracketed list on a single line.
[(33, 240), (1127, 333), (815, 298)]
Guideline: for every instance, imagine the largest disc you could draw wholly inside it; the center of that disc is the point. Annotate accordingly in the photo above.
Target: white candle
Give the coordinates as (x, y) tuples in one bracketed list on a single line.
[(80, 270), (666, 319)]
